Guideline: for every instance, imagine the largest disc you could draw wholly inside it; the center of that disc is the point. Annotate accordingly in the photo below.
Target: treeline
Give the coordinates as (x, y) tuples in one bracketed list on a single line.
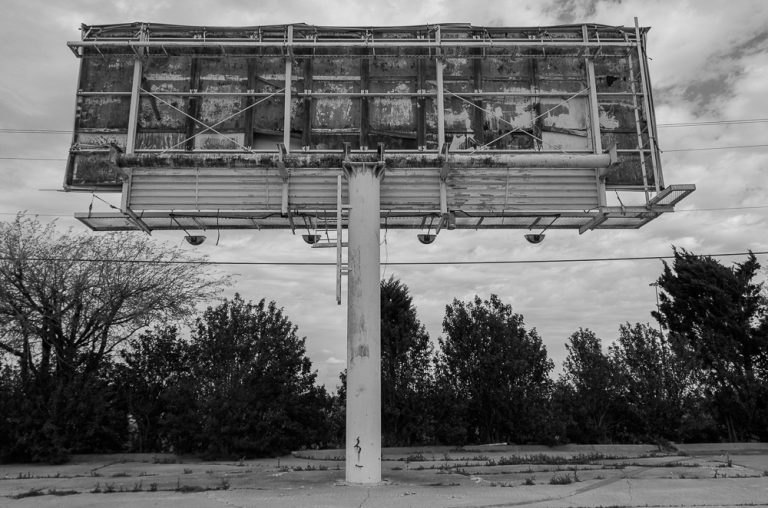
[(91, 362)]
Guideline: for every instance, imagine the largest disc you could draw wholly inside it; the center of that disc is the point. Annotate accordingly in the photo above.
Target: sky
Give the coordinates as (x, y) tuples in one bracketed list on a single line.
[(709, 63)]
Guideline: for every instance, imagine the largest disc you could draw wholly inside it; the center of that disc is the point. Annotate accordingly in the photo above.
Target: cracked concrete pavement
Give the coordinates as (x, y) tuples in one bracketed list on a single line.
[(479, 476)]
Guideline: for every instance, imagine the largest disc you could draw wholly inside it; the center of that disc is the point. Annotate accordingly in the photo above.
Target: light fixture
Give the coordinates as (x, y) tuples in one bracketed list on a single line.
[(195, 239), (426, 238), (535, 237), (311, 239)]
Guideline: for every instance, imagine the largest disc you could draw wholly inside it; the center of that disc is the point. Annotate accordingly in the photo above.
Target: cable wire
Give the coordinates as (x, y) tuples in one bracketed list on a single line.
[(392, 263)]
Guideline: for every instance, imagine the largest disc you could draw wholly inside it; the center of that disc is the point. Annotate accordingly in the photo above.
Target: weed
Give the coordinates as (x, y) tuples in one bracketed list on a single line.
[(418, 457), (502, 484), (120, 475), (187, 470), (398, 468), (599, 477), (560, 479), (97, 489), (543, 458), (223, 484), (185, 489), (164, 460), (24, 476), (531, 480), (153, 487), (54, 492), (137, 486), (109, 488), (30, 493)]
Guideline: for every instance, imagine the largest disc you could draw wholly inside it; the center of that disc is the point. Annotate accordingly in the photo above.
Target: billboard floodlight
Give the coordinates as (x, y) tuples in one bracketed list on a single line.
[(535, 237), (426, 238), (195, 239)]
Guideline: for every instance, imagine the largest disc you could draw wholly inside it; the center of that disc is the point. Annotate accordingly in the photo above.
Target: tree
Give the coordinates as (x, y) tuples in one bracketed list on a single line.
[(406, 354), (717, 320), (653, 385), (586, 389), (500, 369), (251, 386), (66, 302), (154, 365)]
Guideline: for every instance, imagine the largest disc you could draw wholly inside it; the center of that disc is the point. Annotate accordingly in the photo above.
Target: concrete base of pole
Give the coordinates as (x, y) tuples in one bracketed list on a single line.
[(363, 436)]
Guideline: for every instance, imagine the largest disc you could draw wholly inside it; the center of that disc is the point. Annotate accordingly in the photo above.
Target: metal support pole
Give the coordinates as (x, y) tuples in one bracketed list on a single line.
[(646, 107), (440, 94), (594, 116), (363, 439), (133, 112), (287, 95)]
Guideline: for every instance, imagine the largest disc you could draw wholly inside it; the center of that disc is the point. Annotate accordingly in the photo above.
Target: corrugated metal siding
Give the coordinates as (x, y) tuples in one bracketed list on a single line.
[(522, 189), (474, 189), (205, 189)]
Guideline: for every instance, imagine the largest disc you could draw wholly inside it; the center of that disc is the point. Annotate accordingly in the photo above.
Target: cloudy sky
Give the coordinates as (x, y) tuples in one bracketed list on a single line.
[(709, 64)]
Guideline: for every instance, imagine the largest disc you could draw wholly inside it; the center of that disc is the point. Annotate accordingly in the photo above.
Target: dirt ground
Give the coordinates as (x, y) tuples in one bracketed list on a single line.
[(489, 476)]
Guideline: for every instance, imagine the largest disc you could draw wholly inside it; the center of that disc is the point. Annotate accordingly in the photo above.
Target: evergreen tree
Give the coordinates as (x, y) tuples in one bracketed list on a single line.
[(717, 318), (406, 374), (498, 368)]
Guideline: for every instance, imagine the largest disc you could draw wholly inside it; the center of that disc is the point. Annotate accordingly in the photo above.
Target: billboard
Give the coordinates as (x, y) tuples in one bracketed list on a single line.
[(483, 126)]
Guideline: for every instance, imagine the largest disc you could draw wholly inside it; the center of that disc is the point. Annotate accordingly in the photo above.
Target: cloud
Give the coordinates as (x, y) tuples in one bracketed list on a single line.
[(710, 62)]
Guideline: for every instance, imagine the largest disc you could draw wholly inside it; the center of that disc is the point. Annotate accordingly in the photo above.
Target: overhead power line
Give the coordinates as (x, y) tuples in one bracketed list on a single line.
[(712, 122), (713, 148), (32, 159), (392, 263), (35, 131)]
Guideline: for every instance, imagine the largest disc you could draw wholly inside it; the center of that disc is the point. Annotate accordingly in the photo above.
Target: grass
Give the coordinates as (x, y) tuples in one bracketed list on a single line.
[(561, 479)]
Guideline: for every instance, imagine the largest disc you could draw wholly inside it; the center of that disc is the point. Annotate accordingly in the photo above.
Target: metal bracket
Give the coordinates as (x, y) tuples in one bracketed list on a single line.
[(341, 267), (285, 175), (596, 221), (137, 220), (444, 171), (614, 161)]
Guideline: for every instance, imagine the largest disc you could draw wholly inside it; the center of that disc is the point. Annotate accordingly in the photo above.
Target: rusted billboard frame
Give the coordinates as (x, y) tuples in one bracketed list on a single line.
[(142, 42)]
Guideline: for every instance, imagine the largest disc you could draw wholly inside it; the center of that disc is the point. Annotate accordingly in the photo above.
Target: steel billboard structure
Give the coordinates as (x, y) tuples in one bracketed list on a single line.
[(426, 127)]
